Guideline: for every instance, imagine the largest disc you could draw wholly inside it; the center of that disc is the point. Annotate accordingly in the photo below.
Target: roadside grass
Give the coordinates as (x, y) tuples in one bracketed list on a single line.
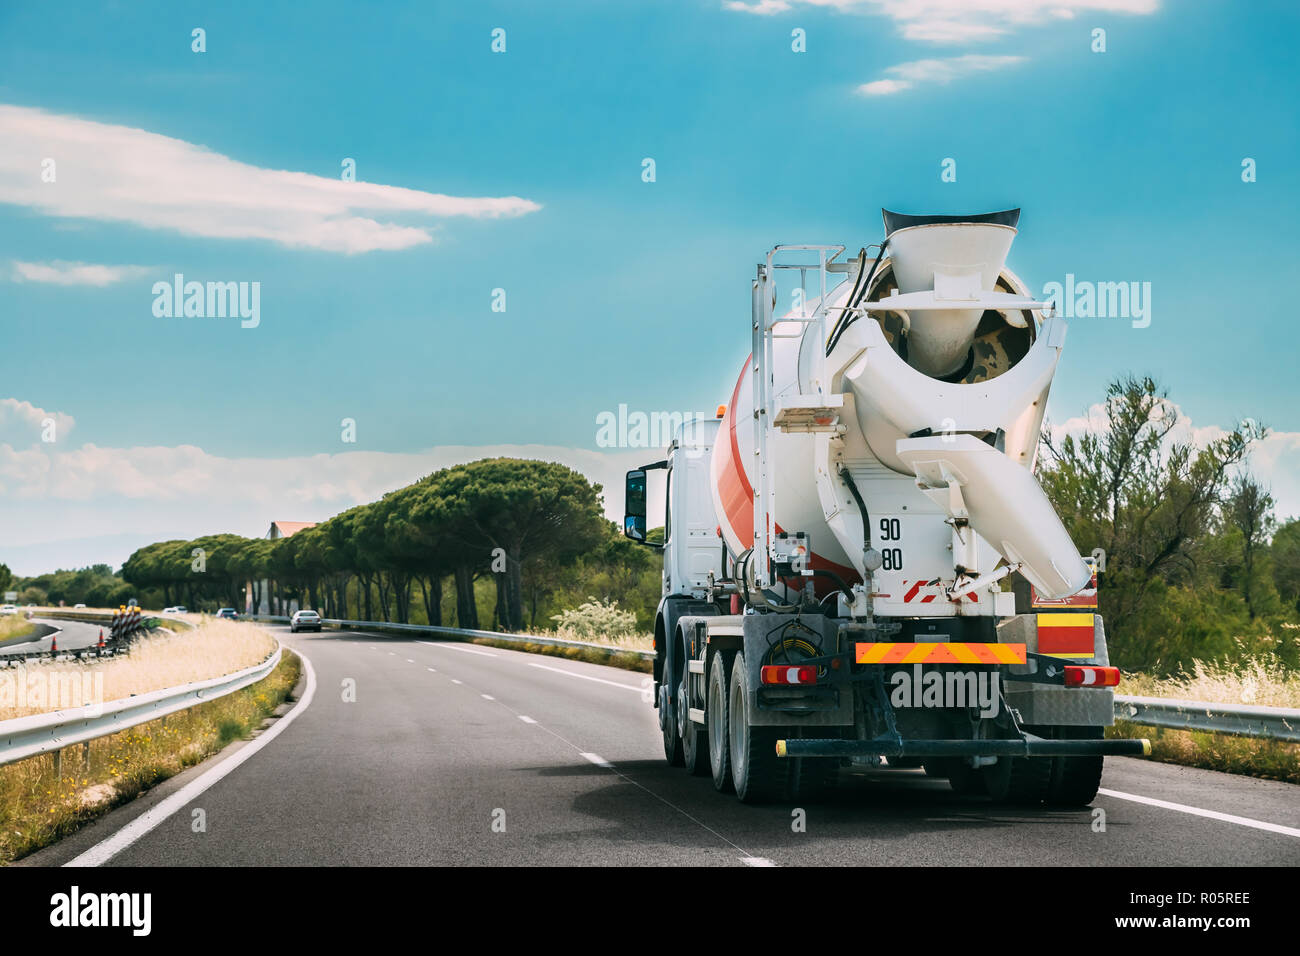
[(619, 655), (39, 805), (1259, 681), (14, 626), (162, 659)]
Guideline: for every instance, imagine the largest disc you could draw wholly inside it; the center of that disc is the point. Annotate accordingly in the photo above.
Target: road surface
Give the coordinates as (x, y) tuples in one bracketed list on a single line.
[(460, 754), (72, 636)]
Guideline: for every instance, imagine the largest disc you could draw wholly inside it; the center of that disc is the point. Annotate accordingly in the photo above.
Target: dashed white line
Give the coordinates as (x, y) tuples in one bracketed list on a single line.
[(598, 760), (756, 861), (432, 670), (527, 720), (598, 680), (487, 696), (1198, 812), (454, 681), (457, 647), (410, 660)]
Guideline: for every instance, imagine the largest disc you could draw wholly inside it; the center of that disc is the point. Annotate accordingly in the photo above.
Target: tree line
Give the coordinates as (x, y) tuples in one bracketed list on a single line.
[(526, 528)]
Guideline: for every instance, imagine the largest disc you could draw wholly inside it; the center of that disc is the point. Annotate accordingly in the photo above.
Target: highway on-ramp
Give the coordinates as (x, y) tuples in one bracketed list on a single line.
[(423, 753), (71, 636)]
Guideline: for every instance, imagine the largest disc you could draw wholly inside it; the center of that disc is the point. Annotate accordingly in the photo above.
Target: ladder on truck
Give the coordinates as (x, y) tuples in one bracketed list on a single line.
[(816, 410)]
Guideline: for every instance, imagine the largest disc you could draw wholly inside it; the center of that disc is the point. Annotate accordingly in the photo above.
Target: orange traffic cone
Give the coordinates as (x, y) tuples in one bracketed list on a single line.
[(54, 644), (101, 638)]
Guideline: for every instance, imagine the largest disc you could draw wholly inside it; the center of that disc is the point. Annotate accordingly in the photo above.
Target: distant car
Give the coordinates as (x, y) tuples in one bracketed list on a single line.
[(8, 609), (228, 613), (181, 609), (304, 621), (75, 606), (169, 610)]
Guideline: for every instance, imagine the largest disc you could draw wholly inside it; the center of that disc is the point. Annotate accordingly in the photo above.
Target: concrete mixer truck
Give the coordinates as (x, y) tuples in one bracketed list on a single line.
[(851, 550)]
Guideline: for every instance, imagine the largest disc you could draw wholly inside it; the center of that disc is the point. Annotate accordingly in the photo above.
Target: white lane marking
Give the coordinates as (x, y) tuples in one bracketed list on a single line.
[(392, 653), (487, 696), (756, 861), (410, 660), (105, 850), (527, 720), (454, 681), (457, 647), (432, 670), (1198, 812), (598, 680), (598, 760)]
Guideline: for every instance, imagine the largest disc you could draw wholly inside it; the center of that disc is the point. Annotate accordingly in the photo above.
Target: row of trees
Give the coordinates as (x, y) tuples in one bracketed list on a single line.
[(1196, 565), (531, 531)]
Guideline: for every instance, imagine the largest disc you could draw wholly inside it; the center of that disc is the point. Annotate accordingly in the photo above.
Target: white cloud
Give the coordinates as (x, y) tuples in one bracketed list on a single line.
[(122, 174), (75, 273), (23, 422), (64, 506), (957, 21), (906, 76)]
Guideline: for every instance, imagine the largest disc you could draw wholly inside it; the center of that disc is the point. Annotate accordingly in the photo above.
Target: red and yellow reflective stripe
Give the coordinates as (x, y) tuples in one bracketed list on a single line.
[(1066, 634), (940, 653)]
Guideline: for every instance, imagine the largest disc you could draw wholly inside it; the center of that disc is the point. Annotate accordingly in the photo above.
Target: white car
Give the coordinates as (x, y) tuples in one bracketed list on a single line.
[(304, 621), (75, 606), (6, 609)]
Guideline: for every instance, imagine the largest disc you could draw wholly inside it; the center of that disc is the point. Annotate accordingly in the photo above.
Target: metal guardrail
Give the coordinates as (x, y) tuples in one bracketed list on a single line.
[(1239, 720), (24, 737), (464, 632)]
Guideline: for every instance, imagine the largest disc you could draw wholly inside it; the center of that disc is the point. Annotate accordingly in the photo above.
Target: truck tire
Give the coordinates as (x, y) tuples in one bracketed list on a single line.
[(1031, 776), (668, 711), (1075, 780), (993, 781), (716, 713), (757, 773), (695, 741), (813, 779)]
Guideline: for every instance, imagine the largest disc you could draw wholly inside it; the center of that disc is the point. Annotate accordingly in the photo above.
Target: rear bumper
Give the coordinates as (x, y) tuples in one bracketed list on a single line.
[(1030, 746)]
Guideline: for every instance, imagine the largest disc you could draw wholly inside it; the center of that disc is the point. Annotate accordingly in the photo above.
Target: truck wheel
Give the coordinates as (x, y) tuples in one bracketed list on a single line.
[(993, 781), (695, 742), (716, 714), (1075, 780), (668, 713), (813, 779), (1031, 776), (757, 773)]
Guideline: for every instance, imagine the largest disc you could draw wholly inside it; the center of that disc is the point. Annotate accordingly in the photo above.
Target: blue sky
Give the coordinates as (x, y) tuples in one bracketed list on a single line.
[(1127, 165)]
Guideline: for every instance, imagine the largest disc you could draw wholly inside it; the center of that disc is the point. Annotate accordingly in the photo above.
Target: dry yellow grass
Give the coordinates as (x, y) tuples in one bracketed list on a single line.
[(1261, 682), (163, 659), (13, 625)]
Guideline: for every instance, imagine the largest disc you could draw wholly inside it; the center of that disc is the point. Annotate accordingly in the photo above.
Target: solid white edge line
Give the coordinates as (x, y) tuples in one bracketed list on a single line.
[(1198, 812), (457, 647), (105, 850), (598, 680)]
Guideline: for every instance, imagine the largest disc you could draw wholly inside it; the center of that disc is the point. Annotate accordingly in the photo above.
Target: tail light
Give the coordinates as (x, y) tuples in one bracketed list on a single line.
[(1082, 676), (784, 674)]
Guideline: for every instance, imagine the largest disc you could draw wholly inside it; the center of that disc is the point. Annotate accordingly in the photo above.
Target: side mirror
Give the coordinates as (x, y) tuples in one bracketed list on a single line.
[(634, 505)]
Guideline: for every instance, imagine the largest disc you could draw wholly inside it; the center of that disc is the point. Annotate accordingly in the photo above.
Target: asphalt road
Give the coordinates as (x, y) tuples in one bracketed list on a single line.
[(459, 754), (72, 636)]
